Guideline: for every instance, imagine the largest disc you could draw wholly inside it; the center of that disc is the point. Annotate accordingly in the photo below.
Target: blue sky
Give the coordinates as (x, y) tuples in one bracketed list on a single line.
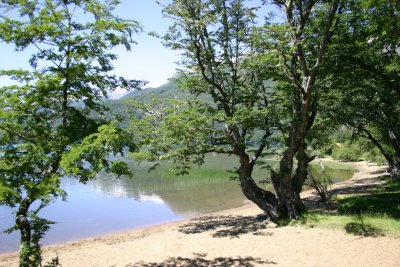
[(148, 60)]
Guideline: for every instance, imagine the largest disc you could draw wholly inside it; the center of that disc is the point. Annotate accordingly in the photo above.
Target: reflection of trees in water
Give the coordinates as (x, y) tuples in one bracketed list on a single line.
[(183, 194), (206, 189), (338, 175)]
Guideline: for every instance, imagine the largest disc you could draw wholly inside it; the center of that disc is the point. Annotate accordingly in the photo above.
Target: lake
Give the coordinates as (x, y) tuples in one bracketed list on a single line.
[(110, 204)]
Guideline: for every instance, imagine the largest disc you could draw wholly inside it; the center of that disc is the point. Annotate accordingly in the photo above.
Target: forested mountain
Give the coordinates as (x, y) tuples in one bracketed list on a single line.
[(168, 90), (122, 109)]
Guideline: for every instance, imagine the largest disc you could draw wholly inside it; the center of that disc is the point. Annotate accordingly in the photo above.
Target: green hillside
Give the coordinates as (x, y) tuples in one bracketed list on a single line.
[(168, 90), (122, 108)]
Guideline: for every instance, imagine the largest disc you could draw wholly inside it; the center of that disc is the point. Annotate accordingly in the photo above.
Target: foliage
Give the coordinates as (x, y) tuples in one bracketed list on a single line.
[(356, 150), (372, 214), (347, 152), (363, 66), (90, 156), (191, 121), (321, 137), (320, 181), (46, 114)]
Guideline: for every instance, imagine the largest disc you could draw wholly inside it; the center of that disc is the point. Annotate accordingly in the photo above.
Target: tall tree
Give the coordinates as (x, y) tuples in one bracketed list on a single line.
[(231, 62), (47, 127), (215, 37), (366, 64), (294, 51)]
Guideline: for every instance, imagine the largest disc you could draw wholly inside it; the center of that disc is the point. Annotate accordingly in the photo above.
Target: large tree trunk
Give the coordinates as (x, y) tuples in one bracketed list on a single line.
[(285, 204), (303, 75), (301, 175), (288, 185), (287, 200), (265, 200)]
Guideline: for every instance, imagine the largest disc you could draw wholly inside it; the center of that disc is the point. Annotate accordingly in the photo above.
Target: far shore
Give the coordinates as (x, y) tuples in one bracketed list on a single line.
[(231, 238)]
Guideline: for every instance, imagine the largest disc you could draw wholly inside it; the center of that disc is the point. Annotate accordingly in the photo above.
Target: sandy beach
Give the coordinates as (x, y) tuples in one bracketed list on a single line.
[(238, 237)]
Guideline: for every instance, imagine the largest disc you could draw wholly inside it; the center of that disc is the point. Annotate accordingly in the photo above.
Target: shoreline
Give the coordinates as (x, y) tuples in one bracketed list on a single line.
[(246, 203), (189, 241)]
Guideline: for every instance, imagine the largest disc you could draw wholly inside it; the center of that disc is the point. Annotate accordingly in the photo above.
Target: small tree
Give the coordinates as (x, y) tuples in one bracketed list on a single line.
[(47, 126), (321, 181)]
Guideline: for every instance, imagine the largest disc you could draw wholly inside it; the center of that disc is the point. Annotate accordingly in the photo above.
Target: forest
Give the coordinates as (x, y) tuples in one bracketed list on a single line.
[(313, 78)]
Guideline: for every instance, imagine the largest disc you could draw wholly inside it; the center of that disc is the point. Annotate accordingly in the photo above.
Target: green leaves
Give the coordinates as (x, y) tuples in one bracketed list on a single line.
[(50, 116), (6, 193), (179, 131), (364, 78), (93, 154)]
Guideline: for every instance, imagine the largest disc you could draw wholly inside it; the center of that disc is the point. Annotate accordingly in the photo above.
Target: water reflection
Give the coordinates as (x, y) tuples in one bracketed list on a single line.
[(110, 204)]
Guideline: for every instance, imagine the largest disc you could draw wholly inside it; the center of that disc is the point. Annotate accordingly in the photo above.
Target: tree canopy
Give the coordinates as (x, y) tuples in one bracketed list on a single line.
[(47, 127), (364, 76), (230, 58), (252, 87)]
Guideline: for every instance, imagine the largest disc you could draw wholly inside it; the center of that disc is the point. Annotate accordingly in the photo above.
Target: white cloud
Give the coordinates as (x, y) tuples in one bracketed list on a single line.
[(152, 198)]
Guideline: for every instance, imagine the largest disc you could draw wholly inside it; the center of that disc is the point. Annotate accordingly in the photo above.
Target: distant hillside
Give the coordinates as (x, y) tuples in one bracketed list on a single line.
[(168, 90), (121, 109)]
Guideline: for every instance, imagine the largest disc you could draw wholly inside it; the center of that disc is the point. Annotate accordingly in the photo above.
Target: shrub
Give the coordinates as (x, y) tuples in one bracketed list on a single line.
[(347, 152), (321, 182)]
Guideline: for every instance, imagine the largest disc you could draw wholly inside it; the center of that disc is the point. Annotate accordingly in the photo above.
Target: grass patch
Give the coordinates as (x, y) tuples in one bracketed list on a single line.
[(373, 214), (363, 229), (362, 225), (375, 204)]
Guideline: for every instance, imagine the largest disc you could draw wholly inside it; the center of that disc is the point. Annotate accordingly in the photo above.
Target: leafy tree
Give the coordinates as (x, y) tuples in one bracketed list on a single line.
[(293, 51), (230, 61), (365, 63), (46, 127), (216, 40)]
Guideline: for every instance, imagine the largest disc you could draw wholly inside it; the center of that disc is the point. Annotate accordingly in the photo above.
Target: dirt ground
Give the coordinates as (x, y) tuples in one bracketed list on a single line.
[(238, 237)]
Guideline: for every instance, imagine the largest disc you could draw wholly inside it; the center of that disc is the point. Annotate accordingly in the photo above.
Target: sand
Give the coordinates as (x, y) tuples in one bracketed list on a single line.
[(238, 237)]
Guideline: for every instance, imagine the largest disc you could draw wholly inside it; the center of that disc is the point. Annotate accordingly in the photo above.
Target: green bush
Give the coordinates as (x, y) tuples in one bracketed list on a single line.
[(374, 155), (321, 181), (347, 152), (342, 145)]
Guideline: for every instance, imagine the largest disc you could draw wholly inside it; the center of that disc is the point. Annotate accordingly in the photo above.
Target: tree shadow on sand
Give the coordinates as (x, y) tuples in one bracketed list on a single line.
[(363, 229), (363, 186), (227, 226), (200, 261)]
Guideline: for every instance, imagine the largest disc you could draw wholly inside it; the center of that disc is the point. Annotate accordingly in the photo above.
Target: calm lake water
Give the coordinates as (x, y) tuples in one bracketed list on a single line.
[(109, 204)]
